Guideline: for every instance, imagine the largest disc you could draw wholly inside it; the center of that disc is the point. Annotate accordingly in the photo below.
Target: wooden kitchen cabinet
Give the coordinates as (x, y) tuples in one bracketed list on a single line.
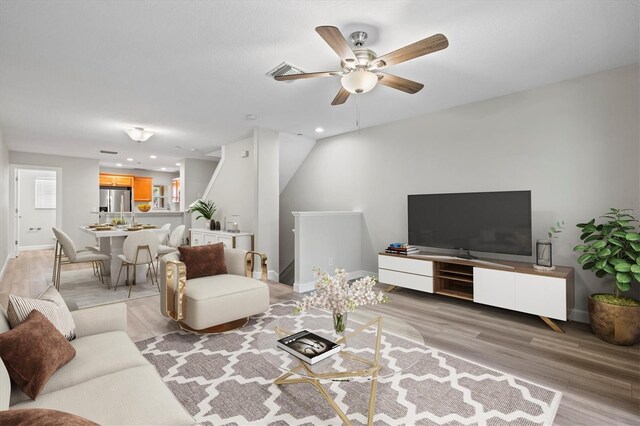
[(142, 188), (107, 179)]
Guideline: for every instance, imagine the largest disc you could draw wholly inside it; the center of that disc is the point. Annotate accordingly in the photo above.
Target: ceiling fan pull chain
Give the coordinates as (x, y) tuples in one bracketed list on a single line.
[(358, 112)]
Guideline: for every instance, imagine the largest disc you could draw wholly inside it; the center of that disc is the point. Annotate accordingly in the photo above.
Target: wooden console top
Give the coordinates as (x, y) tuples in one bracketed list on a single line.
[(502, 265)]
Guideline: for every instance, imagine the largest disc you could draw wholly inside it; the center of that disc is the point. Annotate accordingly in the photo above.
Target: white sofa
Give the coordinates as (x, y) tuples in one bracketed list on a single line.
[(108, 381)]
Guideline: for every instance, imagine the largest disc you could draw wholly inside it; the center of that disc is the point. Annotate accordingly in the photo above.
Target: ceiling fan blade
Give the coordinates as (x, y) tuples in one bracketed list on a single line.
[(395, 82), (336, 41), (306, 75), (412, 51), (341, 97)]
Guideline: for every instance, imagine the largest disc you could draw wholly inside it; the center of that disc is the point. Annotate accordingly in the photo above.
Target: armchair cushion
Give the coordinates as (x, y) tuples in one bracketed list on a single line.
[(203, 261), (42, 416)]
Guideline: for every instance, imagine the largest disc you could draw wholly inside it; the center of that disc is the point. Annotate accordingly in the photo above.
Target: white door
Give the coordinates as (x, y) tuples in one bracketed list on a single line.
[(16, 221)]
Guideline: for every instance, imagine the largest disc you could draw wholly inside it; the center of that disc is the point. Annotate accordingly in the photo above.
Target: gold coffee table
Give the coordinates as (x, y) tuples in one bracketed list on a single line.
[(374, 346)]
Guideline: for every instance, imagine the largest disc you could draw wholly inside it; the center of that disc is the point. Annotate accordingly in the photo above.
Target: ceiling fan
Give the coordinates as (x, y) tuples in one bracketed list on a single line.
[(361, 67)]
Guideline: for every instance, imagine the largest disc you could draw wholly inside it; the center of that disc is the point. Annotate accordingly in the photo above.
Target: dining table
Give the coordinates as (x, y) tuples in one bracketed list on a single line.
[(111, 241)]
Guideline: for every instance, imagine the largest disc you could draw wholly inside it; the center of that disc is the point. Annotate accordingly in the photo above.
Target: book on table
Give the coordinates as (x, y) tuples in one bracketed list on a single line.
[(308, 346)]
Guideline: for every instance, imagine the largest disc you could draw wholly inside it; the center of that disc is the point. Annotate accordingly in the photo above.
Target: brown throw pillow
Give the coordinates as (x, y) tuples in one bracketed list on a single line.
[(203, 261), (42, 417), (33, 351)]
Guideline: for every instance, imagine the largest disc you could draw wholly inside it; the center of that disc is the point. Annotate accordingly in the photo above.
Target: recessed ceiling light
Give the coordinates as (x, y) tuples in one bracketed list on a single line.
[(319, 130), (251, 117), (129, 159), (177, 164), (193, 150), (163, 168), (119, 164), (153, 156)]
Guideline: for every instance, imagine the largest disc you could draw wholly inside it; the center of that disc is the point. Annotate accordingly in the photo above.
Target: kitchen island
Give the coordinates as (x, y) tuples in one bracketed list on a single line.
[(152, 217), (111, 244)]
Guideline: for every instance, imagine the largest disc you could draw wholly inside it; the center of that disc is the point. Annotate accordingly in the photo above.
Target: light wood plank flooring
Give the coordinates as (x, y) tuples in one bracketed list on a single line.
[(600, 382)]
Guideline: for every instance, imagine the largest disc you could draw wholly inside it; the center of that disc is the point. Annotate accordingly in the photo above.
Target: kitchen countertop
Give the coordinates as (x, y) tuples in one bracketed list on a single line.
[(149, 213)]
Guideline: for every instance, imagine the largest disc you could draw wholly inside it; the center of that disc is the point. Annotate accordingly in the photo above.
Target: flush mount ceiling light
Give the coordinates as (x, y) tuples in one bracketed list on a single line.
[(360, 81), (138, 134), (153, 157), (318, 130)]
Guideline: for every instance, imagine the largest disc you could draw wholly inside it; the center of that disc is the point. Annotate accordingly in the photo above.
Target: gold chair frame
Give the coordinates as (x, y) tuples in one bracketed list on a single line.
[(152, 269), (59, 259), (174, 297)]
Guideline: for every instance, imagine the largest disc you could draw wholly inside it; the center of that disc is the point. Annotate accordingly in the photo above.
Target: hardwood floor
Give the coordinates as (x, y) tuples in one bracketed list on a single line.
[(600, 382)]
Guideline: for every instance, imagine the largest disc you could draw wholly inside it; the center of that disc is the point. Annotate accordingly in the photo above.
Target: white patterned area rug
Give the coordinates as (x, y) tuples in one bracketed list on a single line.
[(82, 289), (223, 379)]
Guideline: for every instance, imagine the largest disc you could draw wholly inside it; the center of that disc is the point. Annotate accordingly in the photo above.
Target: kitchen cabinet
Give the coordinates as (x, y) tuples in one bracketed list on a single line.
[(142, 188), (107, 179), (175, 190), (202, 236)]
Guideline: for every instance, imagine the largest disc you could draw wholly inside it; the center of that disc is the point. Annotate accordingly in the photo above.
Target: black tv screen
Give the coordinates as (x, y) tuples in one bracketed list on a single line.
[(494, 222)]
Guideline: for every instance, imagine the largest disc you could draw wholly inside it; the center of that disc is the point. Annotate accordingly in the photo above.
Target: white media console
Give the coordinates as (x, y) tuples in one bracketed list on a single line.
[(504, 284)]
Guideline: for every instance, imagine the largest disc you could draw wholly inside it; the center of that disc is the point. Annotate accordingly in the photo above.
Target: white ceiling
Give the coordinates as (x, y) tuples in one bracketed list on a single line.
[(74, 74)]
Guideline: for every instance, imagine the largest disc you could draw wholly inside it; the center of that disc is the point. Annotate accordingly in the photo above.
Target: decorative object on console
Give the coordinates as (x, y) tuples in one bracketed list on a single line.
[(205, 208), (233, 225), (33, 351), (338, 295), (544, 249), (203, 261), (402, 248), (217, 225), (613, 248), (50, 304)]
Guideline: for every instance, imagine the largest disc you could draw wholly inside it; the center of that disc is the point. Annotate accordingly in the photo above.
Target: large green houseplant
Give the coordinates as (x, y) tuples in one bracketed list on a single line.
[(205, 209), (612, 248)]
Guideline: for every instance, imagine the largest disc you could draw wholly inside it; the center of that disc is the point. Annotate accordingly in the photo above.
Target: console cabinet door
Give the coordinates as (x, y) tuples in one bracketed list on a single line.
[(197, 239), (495, 288), (544, 296)]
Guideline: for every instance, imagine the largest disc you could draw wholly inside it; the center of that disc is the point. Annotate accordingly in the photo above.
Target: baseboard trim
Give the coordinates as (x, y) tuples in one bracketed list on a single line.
[(40, 247), (579, 315), (271, 275), (309, 286)]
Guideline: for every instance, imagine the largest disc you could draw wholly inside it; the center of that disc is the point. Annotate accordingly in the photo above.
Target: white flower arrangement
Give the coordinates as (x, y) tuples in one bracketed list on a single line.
[(336, 294)]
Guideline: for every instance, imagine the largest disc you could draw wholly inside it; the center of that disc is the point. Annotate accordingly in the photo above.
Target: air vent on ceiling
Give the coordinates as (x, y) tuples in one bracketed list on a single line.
[(102, 151), (284, 69)]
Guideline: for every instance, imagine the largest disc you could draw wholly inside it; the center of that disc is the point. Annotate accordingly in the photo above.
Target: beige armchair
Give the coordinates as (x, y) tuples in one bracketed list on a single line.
[(215, 303)]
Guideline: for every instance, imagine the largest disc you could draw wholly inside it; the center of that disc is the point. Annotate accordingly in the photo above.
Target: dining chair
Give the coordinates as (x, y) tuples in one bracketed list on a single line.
[(67, 253), (139, 248), (162, 238), (175, 239)]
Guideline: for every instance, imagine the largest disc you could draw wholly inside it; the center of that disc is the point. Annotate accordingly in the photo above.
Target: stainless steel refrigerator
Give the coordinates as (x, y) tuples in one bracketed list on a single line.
[(111, 199)]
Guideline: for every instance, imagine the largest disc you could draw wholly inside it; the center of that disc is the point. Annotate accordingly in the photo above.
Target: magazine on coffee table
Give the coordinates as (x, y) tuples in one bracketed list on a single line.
[(308, 346)]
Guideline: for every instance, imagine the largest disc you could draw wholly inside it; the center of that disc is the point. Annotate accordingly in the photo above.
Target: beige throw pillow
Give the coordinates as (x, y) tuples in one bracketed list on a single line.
[(50, 304)]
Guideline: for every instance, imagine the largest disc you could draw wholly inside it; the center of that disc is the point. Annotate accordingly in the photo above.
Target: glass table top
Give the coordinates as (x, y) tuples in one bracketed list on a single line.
[(401, 345)]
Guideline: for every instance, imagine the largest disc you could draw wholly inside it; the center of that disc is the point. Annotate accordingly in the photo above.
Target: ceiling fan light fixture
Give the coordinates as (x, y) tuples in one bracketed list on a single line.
[(138, 134), (359, 81)]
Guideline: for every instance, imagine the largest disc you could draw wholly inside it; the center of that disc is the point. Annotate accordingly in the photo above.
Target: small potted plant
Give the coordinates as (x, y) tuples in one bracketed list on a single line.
[(205, 209), (612, 248)]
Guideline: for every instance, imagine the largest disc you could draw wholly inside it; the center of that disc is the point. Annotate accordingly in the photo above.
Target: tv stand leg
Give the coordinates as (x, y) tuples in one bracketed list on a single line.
[(555, 327), (390, 288)]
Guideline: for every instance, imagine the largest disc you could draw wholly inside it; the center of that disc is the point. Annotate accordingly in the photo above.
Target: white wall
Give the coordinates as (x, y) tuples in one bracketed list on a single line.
[(78, 183), (575, 144), (327, 240), (234, 190), (5, 230), (268, 193), (32, 218), (293, 150), (195, 178)]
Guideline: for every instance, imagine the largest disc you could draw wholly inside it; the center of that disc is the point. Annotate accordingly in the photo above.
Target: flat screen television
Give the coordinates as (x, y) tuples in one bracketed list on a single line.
[(492, 222)]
